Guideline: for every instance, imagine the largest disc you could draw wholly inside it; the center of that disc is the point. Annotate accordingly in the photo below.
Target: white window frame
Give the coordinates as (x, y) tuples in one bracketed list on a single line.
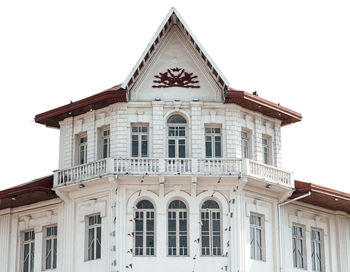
[(140, 135), (210, 251), (246, 142), (31, 251), (178, 212), (97, 226), (254, 243), (177, 137), (53, 238), (296, 239), (105, 139), (210, 131), (266, 149), (317, 266), (146, 251), (80, 145)]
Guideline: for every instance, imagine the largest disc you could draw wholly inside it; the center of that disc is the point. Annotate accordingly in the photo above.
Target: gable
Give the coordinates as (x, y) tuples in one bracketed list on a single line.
[(175, 72), (174, 43)]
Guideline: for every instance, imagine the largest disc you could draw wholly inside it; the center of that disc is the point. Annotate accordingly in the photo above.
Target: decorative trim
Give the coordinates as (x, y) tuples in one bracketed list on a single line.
[(176, 77)]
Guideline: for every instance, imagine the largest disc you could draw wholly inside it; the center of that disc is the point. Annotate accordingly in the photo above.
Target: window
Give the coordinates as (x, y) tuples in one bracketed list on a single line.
[(177, 229), (139, 141), (28, 251), (144, 229), (105, 143), (177, 126), (213, 142), (82, 149), (298, 247), (50, 247), (211, 228), (266, 150), (93, 249), (245, 142), (256, 237), (317, 250)]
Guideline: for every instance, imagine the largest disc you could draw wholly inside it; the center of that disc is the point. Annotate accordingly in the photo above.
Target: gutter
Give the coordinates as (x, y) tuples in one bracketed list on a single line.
[(279, 205)]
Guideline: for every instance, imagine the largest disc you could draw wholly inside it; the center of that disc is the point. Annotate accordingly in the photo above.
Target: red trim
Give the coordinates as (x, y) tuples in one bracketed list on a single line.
[(256, 103), (304, 187), (105, 98)]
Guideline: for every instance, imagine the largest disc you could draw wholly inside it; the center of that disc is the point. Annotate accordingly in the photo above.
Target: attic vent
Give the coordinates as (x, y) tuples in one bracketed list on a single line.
[(197, 47), (215, 73), (209, 64), (151, 49), (221, 81), (161, 34)]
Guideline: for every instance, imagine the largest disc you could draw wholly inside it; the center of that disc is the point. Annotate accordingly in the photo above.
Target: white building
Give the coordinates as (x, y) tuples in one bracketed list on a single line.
[(172, 170)]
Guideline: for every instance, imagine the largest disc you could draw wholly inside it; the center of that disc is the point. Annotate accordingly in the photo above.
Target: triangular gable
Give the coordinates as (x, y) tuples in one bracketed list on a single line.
[(174, 18)]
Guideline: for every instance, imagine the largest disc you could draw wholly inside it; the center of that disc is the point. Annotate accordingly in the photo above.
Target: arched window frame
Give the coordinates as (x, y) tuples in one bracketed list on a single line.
[(210, 217), (181, 236), (177, 136), (144, 216)]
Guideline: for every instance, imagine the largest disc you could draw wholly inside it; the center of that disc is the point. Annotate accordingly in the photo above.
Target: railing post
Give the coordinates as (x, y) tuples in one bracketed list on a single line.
[(109, 166), (245, 166), (162, 165), (55, 178), (194, 166)]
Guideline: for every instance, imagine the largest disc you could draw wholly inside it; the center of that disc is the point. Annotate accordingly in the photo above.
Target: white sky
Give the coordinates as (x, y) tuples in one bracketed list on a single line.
[(296, 53)]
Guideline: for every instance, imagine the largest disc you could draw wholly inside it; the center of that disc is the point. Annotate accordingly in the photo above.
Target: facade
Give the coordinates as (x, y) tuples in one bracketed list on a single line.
[(175, 170)]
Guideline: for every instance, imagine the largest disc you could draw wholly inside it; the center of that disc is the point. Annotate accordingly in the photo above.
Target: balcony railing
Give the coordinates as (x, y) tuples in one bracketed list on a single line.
[(171, 166)]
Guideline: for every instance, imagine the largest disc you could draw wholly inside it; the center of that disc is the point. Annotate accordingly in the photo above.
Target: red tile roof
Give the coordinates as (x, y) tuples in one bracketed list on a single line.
[(322, 196), (28, 193), (103, 99), (256, 103)]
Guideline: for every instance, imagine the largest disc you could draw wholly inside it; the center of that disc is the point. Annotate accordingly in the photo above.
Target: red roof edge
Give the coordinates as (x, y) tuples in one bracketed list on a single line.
[(266, 107), (28, 193), (304, 187), (52, 117)]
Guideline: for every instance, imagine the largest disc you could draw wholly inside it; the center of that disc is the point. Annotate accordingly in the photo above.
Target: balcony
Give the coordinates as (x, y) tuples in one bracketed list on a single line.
[(173, 166)]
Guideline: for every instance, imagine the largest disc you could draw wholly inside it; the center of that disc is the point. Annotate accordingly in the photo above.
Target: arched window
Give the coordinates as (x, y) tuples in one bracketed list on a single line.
[(211, 228), (144, 229), (177, 228), (177, 136)]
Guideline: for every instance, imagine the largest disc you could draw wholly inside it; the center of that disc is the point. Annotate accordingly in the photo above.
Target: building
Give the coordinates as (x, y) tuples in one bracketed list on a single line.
[(172, 169)]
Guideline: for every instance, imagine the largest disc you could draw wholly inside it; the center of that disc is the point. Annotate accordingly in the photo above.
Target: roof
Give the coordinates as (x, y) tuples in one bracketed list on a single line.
[(322, 196), (256, 103), (51, 118), (28, 193), (171, 19)]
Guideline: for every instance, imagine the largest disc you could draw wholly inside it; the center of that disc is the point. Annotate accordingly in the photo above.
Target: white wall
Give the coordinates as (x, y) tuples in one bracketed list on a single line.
[(98, 197)]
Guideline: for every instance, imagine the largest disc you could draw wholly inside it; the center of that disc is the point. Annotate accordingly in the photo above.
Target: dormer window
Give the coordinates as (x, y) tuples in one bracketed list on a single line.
[(177, 136)]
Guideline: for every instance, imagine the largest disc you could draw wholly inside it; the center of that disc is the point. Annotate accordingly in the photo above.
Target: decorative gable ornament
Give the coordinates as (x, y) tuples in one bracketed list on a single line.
[(176, 77)]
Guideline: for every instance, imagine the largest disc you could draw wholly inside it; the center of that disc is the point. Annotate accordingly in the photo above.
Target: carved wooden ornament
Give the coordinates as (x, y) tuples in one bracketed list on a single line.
[(176, 77)]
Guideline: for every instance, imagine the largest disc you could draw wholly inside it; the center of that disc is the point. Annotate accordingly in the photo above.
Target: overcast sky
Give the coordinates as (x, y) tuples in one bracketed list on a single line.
[(296, 53)]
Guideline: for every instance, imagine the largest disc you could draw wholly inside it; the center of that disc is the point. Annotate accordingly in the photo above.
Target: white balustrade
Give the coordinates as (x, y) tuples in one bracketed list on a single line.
[(178, 165), (136, 165), (81, 172), (220, 166), (267, 172), (141, 166)]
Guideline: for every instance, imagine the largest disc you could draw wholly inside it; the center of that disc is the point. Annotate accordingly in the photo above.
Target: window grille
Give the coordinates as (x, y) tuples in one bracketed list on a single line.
[(28, 251), (50, 247), (213, 142), (144, 229), (298, 247), (211, 229), (94, 237), (177, 229), (256, 237)]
